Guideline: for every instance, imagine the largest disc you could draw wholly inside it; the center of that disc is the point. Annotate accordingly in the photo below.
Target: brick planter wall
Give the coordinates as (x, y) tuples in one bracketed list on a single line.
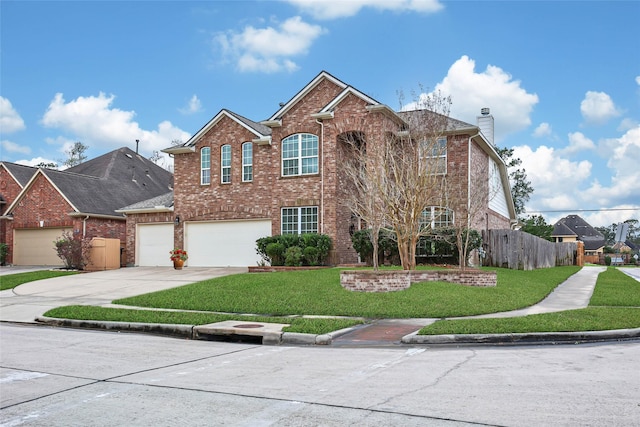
[(388, 281)]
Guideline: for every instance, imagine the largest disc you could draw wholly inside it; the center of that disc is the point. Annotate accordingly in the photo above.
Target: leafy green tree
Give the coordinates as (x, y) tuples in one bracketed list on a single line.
[(521, 188), (536, 225)]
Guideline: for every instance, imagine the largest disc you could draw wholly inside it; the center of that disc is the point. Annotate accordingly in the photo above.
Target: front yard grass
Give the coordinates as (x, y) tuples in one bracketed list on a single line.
[(615, 304), (318, 292), (297, 324), (10, 281)]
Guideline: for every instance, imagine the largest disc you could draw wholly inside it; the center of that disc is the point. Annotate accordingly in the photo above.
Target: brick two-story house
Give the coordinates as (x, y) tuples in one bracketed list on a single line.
[(237, 180)]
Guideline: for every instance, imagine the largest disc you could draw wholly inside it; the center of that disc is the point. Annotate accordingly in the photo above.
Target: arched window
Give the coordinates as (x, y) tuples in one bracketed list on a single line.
[(205, 166), (300, 155)]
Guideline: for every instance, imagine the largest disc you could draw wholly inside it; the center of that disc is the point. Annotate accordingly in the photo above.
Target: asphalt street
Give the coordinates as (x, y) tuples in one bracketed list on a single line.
[(63, 377)]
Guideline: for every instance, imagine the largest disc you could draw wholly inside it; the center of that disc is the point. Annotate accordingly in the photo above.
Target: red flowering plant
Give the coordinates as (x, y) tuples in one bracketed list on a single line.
[(177, 254)]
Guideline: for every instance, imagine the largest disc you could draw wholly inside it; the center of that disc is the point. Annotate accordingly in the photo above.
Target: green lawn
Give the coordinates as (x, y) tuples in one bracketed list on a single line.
[(297, 324), (10, 281), (318, 292), (615, 304)]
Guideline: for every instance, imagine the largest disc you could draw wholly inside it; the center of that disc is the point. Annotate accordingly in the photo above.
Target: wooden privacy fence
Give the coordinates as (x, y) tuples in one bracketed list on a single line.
[(523, 251)]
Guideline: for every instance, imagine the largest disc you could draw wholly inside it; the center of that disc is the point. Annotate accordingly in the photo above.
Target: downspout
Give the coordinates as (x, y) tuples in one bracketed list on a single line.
[(321, 175), (469, 179), (84, 226)]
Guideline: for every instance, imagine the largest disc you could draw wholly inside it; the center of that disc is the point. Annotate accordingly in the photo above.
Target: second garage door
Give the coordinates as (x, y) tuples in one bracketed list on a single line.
[(153, 244), (36, 247), (224, 243)]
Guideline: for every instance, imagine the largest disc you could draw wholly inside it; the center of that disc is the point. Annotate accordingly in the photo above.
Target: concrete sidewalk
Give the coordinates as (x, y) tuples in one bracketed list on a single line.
[(28, 301)]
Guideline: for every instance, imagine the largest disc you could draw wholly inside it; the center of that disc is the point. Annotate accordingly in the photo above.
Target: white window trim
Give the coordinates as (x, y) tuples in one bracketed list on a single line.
[(441, 156), (247, 165), (222, 167), (202, 169), (300, 157), (299, 221), (432, 216)]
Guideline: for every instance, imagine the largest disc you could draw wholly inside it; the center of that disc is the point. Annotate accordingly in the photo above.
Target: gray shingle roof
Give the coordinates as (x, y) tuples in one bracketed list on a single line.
[(21, 173), (577, 226), (258, 127), (164, 200), (453, 125), (111, 181)]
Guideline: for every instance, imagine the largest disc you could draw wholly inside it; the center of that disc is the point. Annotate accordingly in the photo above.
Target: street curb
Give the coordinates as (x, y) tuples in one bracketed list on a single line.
[(524, 338), (187, 331), (295, 338), (168, 329)]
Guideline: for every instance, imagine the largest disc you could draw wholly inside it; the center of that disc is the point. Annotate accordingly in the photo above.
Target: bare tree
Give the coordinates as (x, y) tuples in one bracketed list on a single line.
[(394, 169), (75, 155)]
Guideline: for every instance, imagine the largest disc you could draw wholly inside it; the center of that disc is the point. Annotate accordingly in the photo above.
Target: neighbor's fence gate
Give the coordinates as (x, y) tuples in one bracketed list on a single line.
[(523, 251)]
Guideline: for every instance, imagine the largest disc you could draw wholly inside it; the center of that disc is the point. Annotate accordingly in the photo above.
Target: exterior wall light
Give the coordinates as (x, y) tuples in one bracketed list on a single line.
[(177, 220)]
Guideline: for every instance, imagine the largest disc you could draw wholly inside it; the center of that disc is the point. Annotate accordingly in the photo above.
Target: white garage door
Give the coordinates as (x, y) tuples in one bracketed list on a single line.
[(224, 243), (153, 244), (36, 247)]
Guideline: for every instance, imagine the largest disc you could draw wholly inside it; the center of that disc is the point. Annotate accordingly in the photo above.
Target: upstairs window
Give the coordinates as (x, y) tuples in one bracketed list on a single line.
[(435, 156), (225, 164), (247, 162), (300, 155), (299, 220), (205, 166)]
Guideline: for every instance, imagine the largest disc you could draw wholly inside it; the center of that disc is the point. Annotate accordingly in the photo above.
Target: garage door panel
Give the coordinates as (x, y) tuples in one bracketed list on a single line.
[(36, 247), (153, 244), (224, 243)]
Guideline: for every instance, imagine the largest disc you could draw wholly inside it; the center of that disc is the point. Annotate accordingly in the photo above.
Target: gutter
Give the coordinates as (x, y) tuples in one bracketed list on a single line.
[(322, 174)]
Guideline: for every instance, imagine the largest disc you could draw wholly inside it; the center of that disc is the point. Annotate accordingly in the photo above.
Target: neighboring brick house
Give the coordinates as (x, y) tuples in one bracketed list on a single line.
[(237, 180), (573, 228), (81, 200)]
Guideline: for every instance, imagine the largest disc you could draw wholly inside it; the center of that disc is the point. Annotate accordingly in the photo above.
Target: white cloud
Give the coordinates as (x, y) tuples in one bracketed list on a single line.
[(10, 120), (12, 147), (543, 130), (35, 161), (510, 104), (578, 142), (547, 170), (193, 106), (331, 9), (269, 49), (93, 121), (638, 80), (598, 108)]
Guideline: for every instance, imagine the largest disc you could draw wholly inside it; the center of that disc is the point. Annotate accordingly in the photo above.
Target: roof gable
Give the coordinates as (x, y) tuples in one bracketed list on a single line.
[(259, 130), (303, 92), (21, 174)]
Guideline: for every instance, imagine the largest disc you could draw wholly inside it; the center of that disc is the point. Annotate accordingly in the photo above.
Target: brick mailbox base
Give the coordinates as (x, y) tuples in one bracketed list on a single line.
[(388, 281)]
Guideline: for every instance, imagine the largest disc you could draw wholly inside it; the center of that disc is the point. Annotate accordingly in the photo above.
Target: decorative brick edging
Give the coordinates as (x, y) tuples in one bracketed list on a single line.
[(388, 281), (272, 269)]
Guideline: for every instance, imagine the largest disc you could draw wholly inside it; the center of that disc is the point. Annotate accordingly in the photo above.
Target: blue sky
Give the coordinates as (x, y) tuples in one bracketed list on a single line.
[(562, 79)]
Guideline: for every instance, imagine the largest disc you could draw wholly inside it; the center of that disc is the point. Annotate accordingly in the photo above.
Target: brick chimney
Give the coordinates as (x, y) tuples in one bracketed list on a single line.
[(485, 123)]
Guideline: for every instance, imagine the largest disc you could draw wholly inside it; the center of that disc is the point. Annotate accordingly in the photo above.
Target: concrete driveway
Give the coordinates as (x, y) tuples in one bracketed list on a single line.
[(26, 302)]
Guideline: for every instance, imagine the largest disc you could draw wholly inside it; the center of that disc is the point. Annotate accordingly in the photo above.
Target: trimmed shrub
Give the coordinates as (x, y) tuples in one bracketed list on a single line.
[(607, 260), (276, 253), (293, 256), (312, 249)]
